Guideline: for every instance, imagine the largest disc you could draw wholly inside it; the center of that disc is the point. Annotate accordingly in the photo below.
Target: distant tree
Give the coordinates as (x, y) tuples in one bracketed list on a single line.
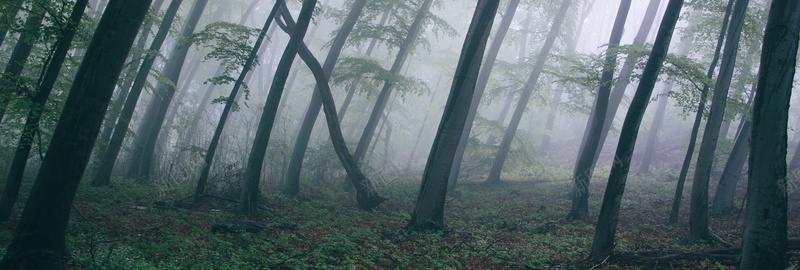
[(38, 241), (765, 226), (250, 192), (585, 166), (14, 180), (726, 189), (429, 209), (698, 211), (652, 136), (605, 232), (11, 81), (9, 11)]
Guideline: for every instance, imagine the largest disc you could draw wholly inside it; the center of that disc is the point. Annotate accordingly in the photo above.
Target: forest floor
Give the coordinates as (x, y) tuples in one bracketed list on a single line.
[(512, 226)]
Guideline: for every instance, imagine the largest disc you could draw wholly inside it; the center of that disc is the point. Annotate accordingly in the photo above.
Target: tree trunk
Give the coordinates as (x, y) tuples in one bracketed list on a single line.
[(765, 226), (687, 160), (698, 211), (505, 145), (109, 157), (585, 166), (301, 142), (12, 10), (483, 79), (38, 241), (250, 192), (144, 145), (603, 242), (652, 136), (11, 82), (429, 209), (726, 189), (14, 180), (249, 63)]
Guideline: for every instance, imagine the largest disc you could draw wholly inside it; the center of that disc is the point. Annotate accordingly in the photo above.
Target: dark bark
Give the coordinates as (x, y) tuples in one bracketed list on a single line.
[(530, 84), (652, 136), (250, 192), (14, 180), (429, 209), (249, 63), (698, 211), (483, 79), (726, 189), (585, 166), (11, 82), (38, 241), (605, 232), (687, 160), (141, 156), (109, 157), (9, 12), (306, 127)]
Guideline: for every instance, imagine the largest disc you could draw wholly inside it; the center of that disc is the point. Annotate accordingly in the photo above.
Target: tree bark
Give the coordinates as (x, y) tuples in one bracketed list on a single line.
[(605, 232), (530, 84), (726, 189), (12, 10), (11, 82), (429, 209), (698, 211), (765, 227), (38, 241)]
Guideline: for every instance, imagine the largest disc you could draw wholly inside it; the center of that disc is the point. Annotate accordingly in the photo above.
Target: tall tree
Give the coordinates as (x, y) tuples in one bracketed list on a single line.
[(109, 157), (38, 241), (585, 166), (483, 79), (141, 156), (687, 160), (527, 90), (765, 226), (726, 189), (698, 210), (301, 141), (429, 209), (652, 136), (11, 81), (605, 232), (250, 192), (62, 45), (249, 63), (10, 11)]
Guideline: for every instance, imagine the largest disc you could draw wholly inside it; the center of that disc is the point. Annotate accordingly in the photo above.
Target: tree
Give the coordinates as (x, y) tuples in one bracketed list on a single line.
[(109, 157), (10, 10), (11, 81), (527, 90), (698, 211), (605, 232), (652, 136), (585, 166), (301, 142), (38, 241), (429, 209), (726, 189), (687, 160), (249, 63), (14, 180), (765, 226), (249, 197)]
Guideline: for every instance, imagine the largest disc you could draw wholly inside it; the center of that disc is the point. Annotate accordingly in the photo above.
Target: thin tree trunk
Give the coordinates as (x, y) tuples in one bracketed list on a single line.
[(605, 232), (726, 189), (429, 209), (652, 136), (698, 211), (10, 9), (585, 166), (14, 180), (505, 145), (38, 241), (250, 192), (419, 136), (765, 226), (109, 157), (11, 81)]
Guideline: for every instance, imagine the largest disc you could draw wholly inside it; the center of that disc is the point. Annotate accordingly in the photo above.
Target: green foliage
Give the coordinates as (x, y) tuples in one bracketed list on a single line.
[(370, 72), (229, 43)]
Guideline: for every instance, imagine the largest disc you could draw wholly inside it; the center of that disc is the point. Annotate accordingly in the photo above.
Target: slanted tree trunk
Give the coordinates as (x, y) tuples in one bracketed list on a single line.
[(765, 226), (652, 136), (109, 157), (585, 166), (38, 241), (429, 209), (530, 84), (11, 81), (301, 141), (483, 79), (698, 211), (687, 160), (144, 145), (249, 63), (250, 192), (9, 12), (605, 233), (726, 189), (14, 180), (795, 163)]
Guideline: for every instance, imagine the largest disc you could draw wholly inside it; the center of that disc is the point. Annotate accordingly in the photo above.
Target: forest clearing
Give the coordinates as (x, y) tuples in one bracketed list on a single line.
[(399, 134)]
